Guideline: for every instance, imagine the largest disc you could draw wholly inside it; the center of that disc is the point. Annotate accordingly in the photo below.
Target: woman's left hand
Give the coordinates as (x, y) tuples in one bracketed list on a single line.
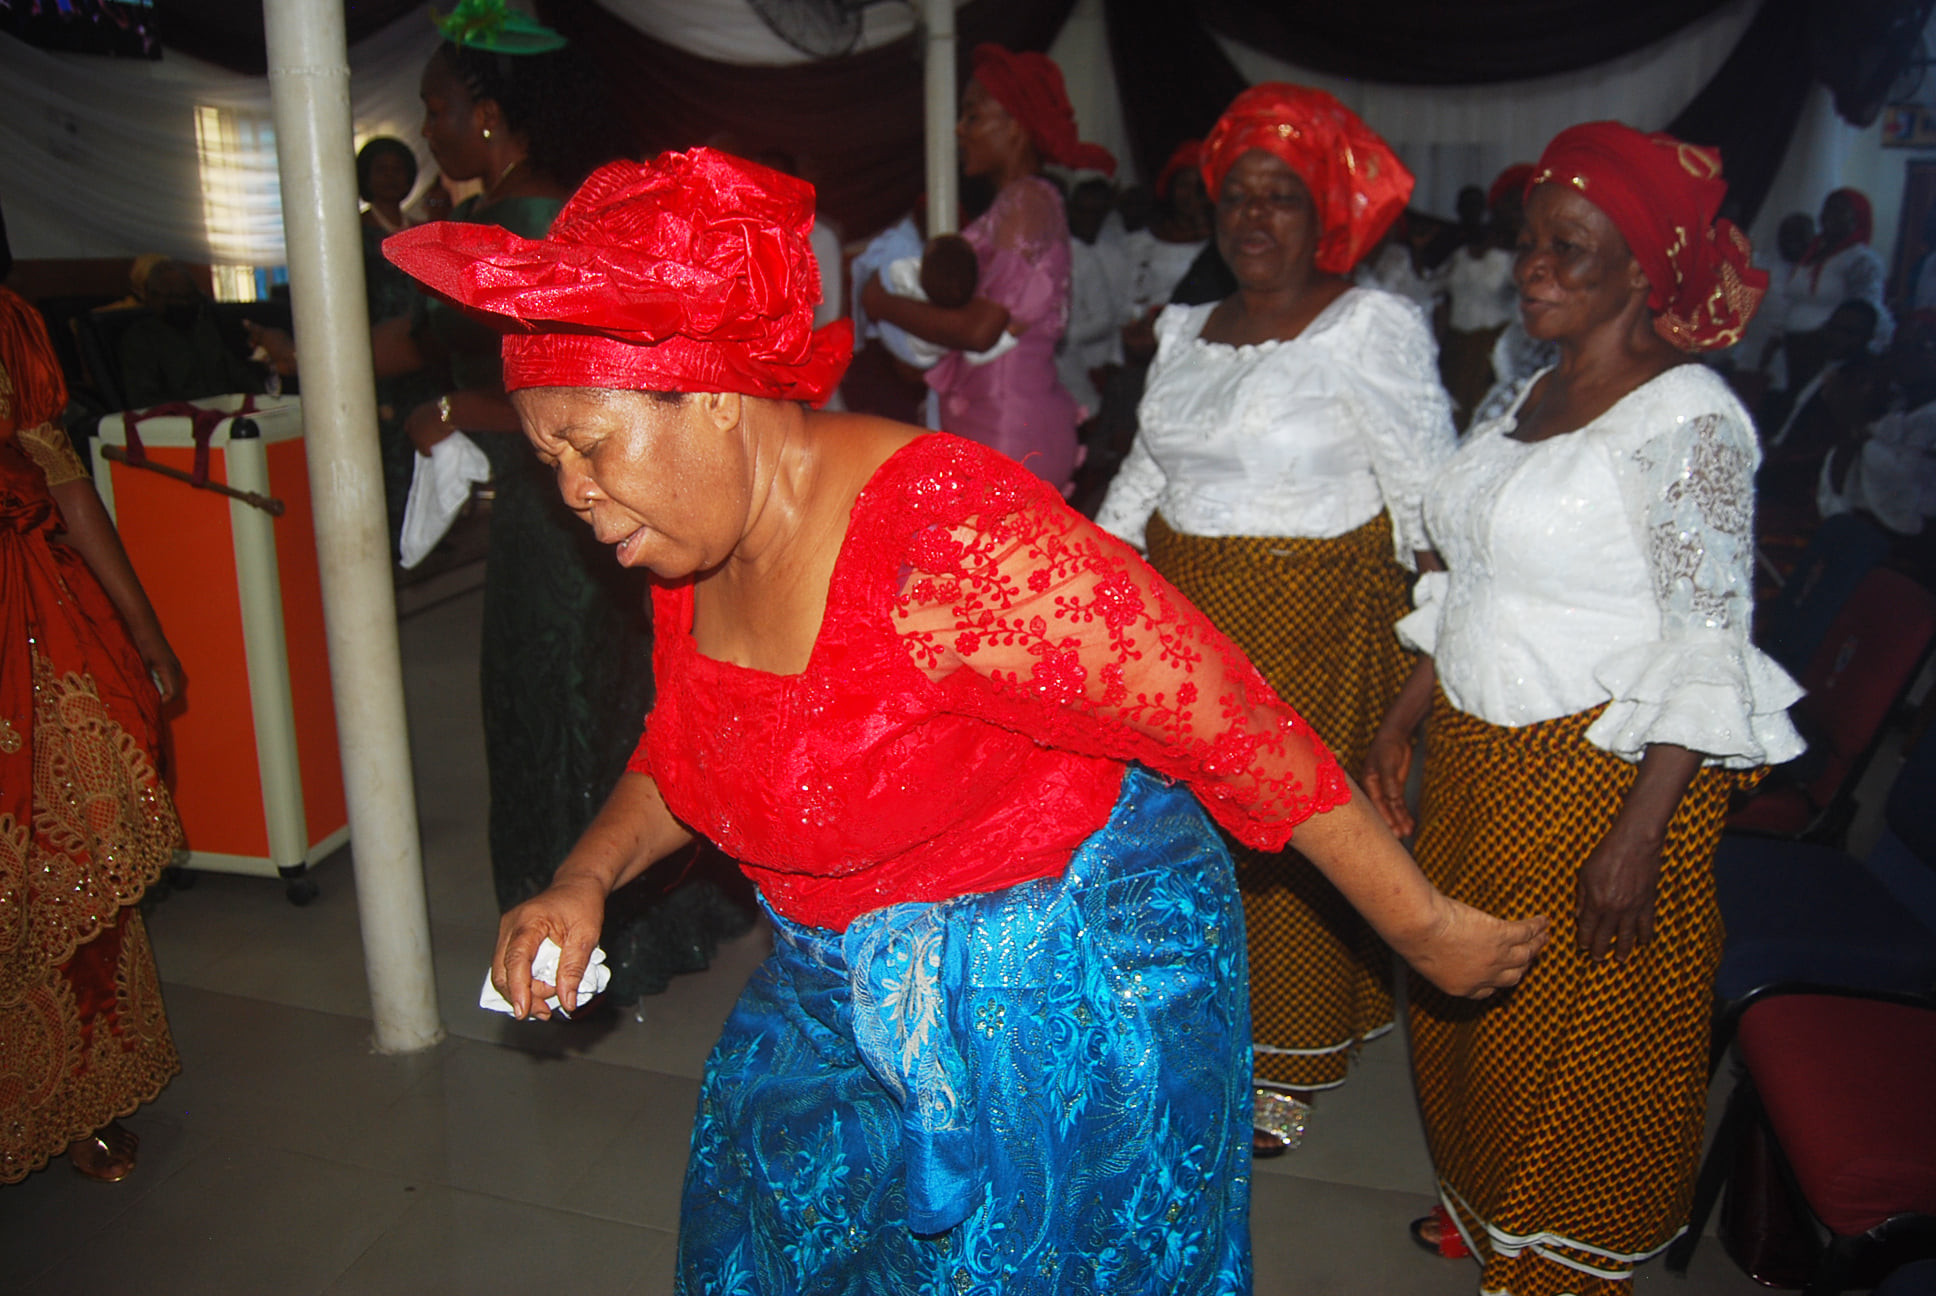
[(164, 668), (1616, 893)]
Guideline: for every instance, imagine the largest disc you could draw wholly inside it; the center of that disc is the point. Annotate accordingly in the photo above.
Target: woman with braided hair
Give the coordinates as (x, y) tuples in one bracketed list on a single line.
[(567, 635), (1590, 697)]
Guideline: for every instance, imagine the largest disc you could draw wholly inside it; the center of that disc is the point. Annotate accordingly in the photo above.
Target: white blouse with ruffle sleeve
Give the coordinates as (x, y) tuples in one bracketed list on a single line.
[(1610, 564), (1309, 437)]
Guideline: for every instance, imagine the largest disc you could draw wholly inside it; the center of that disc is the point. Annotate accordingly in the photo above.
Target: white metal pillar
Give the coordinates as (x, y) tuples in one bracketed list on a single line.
[(309, 87), (944, 193)]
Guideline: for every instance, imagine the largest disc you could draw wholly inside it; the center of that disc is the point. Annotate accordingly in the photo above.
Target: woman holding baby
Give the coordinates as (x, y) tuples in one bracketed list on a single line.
[(1015, 116)]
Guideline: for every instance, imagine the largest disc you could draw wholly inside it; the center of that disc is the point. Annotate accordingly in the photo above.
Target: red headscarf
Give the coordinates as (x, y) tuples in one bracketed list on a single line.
[(1188, 156), (687, 273), (1513, 180), (1662, 195), (1357, 182), (1819, 249), (1030, 87)]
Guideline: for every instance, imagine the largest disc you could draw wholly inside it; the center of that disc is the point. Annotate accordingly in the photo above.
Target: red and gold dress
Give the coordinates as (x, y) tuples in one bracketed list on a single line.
[(85, 823)]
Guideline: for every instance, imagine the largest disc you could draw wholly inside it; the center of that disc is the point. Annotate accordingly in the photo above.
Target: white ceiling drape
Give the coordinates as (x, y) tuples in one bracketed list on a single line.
[(106, 157)]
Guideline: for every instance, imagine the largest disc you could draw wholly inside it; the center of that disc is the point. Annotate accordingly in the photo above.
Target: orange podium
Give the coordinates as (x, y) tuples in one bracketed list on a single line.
[(252, 742)]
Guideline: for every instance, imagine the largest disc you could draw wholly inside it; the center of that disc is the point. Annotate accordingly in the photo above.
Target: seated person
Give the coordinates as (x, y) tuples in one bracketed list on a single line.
[(946, 273), (1886, 468), (178, 350)]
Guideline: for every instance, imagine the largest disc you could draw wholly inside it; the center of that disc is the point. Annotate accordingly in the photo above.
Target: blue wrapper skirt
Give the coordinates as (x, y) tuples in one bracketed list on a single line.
[(1044, 1089)]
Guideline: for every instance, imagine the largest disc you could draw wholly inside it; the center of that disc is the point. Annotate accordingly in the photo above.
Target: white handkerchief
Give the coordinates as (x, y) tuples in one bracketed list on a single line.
[(439, 486), (544, 967)]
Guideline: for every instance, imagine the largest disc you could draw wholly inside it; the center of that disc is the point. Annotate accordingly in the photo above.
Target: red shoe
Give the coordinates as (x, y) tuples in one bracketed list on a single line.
[(1445, 1242)]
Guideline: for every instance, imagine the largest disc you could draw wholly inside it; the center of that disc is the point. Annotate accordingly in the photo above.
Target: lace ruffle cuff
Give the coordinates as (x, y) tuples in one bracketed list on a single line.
[(1419, 630), (1714, 695)]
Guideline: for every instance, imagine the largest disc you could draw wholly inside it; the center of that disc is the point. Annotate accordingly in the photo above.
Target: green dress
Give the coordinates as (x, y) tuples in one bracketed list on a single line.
[(393, 294), (567, 676)]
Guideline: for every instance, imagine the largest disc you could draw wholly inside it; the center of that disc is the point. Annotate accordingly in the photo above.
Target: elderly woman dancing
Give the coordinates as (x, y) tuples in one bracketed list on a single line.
[(1286, 436), (1593, 698), (953, 731)]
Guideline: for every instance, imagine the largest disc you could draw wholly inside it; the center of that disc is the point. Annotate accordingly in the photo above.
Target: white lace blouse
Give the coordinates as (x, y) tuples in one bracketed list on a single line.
[(1610, 564), (1311, 437)]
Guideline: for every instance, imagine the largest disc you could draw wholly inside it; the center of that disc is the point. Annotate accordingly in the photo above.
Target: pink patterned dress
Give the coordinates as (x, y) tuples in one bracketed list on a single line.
[(1016, 404)]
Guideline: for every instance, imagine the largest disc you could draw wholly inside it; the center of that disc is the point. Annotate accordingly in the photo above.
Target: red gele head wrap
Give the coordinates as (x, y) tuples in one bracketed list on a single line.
[(1030, 87), (688, 273), (1356, 181), (1188, 156), (1662, 195), (1515, 179)]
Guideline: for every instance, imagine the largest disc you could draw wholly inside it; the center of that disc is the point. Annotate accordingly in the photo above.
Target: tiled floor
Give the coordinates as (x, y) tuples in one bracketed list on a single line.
[(289, 1159)]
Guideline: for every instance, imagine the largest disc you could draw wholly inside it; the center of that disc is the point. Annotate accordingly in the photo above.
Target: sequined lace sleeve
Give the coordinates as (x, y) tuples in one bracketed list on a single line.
[(1023, 613), (1687, 480), (1404, 414)]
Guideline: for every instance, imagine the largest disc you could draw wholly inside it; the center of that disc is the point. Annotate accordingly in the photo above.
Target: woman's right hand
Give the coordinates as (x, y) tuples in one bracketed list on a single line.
[(426, 426), (570, 912), (1388, 765), (1469, 953)]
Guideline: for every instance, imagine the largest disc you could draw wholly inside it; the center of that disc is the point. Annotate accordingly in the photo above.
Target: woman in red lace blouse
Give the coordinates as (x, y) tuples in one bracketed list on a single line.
[(954, 731)]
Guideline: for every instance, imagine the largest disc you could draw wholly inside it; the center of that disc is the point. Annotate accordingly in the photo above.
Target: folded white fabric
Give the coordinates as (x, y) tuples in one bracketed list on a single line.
[(438, 489), (544, 967)]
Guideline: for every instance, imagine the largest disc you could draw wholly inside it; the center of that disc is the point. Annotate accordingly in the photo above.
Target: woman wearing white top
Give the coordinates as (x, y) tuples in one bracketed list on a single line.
[(1593, 698), (1838, 266), (1285, 436)]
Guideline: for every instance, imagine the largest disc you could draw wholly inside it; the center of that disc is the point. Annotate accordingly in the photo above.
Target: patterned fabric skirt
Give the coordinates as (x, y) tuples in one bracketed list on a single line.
[(1315, 616), (1564, 1117), (1038, 1090), (86, 826)]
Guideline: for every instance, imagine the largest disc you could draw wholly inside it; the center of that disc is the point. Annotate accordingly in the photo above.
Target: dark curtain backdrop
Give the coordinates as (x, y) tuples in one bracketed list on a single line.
[(228, 33), (1432, 42), (1176, 79), (853, 124)]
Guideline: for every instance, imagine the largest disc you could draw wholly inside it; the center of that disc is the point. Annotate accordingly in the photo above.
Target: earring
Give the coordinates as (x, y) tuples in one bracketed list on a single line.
[(487, 132)]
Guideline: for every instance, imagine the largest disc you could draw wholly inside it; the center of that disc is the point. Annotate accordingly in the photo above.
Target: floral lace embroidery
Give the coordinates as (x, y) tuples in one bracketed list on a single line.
[(1699, 528), (47, 445), (1049, 610)]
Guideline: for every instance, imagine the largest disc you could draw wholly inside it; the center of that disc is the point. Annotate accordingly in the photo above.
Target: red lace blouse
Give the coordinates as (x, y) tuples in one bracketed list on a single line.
[(987, 663)]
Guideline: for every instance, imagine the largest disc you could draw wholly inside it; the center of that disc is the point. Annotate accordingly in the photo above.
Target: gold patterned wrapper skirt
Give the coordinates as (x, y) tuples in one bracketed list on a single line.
[(1316, 618), (1564, 1116)]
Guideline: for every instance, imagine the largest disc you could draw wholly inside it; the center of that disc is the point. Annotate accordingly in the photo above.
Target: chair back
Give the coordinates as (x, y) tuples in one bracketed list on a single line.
[(1865, 663)]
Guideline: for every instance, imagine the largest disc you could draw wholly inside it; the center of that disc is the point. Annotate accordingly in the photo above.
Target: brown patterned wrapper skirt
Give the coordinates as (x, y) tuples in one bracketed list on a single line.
[(1316, 617), (1564, 1116)]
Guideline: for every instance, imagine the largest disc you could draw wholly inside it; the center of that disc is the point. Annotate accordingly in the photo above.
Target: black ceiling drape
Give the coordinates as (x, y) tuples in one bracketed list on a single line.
[(1176, 79), (854, 123), (228, 33), (1432, 42)]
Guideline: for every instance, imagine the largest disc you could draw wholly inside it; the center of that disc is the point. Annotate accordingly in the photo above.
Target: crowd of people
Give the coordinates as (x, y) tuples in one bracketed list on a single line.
[(1069, 742)]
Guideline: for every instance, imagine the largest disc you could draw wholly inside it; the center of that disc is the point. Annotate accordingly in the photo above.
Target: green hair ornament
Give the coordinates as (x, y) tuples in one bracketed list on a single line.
[(495, 26)]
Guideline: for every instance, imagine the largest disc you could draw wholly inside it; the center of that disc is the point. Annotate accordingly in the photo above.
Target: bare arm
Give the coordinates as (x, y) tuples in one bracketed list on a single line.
[(1620, 880), (974, 327), (633, 831), (1458, 948), (90, 533), (1388, 761), (394, 348), (470, 411)]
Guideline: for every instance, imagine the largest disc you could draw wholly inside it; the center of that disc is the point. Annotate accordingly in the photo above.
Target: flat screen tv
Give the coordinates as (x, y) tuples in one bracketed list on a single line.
[(126, 28)]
